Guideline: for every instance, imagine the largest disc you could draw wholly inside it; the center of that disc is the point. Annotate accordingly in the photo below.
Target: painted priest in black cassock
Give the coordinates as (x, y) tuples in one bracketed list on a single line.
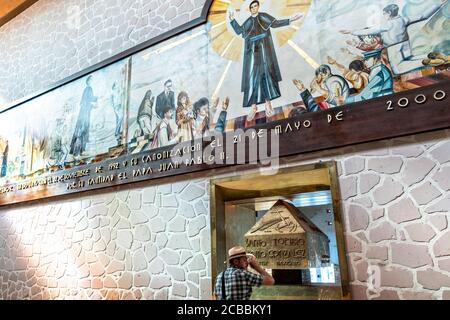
[(261, 73)]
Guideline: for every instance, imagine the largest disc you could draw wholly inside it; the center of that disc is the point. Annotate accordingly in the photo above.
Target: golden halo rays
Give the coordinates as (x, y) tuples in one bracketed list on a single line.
[(219, 35), (229, 46)]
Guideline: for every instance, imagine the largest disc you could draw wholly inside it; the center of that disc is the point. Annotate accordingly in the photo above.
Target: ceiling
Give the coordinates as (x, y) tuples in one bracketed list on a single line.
[(9, 9)]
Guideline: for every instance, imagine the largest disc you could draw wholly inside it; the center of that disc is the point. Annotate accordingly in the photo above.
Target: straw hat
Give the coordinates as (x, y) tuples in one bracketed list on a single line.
[(236, 252)]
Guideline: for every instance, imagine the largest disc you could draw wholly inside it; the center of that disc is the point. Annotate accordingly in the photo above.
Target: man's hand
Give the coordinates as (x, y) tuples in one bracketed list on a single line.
[(315, 85), (226, 104), (352, 43), (300, 86), (231, 14), (296, 17), (251, 259), (215, 102), (331, 60), (267, 278)]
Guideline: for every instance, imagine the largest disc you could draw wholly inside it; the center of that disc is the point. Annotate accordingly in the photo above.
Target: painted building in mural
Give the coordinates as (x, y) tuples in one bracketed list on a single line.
[(250, 64)]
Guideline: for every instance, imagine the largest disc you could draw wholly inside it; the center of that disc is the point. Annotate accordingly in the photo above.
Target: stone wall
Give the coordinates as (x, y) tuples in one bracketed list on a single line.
[(153, 242), (396, 205), (54, 39)]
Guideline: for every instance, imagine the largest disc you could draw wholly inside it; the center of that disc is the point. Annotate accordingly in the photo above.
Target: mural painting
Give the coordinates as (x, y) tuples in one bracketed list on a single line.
[(252, 62), (66, 127)]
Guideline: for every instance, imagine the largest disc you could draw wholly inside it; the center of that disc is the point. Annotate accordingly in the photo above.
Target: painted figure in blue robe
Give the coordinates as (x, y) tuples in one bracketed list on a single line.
[(81, 135), (381, 82), (261, 73)]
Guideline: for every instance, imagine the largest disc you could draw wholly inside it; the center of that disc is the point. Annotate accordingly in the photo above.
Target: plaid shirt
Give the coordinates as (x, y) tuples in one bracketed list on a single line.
[(238, 284)]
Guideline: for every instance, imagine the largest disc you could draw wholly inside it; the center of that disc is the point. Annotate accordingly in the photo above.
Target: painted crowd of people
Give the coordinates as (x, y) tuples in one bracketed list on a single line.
[(177, 121), (372, 74)]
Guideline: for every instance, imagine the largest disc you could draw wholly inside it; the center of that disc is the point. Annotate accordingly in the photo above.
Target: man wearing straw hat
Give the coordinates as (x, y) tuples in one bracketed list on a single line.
[(235, 283)]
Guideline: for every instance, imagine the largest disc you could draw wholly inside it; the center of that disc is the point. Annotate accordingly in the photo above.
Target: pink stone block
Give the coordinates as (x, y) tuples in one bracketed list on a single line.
[(396, 277), (388, 295), (387, 165), (348, 187), (358, 292), (388, 191), (433, 280), (442, 153), (358, 218), (439, 221), (377, 252), (354, 165), (361, 271), (411, 255), (420, 232), (403, 211), (384, 231), (446, 295), (126, 281), (441, 247), (368, 182), (444, 264), (416, 170), (442, 177), (441, 206), (377, 214), (352, 244), (425, 193)]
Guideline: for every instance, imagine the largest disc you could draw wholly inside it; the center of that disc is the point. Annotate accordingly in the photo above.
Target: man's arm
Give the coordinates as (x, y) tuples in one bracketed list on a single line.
[(221, 122), (369, 31), (268, 280), (338, 66), (236, 27), (273, 22), (158, 105), (172, 100), (220, 125), (306, 96), (365, 31), (425, 15), (280, 23)]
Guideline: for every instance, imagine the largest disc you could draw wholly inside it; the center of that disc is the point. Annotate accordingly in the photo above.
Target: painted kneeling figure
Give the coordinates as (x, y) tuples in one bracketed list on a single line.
[(164, 134)]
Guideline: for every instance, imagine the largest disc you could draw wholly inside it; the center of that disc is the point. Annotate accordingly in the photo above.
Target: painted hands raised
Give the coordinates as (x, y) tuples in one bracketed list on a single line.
[(231, 14), (296, 17)]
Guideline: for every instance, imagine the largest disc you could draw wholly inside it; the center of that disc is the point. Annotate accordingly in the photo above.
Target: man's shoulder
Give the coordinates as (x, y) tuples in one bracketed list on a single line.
[(264, 14), (376, 69), (266, 17), (241, 273), (161, 95), (235, 272), (335, 79)]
